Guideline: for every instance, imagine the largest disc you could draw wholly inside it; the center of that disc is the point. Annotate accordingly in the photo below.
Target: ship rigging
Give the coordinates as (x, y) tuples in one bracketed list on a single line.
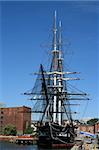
[(53, 99)]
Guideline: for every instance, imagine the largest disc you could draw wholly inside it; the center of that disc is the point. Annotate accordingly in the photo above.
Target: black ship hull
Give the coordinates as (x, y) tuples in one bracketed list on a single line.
[(52, 136), (46, 142)]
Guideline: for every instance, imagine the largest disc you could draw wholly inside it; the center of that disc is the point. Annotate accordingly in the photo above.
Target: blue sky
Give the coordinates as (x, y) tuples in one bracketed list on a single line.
[(26, 32)]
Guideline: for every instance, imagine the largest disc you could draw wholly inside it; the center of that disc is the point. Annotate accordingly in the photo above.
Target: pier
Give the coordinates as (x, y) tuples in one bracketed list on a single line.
[(19, 139), (26, 140)]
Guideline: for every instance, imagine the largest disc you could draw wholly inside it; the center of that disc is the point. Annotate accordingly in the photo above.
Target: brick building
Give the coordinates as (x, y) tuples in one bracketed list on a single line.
[(90, 128), (97, 127), (17, 116), (87, 128)]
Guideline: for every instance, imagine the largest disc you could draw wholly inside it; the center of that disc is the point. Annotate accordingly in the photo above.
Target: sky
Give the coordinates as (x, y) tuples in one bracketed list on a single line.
[(26, 38)]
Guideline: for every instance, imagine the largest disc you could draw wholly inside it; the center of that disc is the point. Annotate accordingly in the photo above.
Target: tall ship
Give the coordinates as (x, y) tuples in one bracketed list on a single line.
[(53, 100)]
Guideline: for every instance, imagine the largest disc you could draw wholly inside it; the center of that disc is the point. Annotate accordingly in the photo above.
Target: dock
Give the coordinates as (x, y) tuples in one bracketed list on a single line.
[(26, 140)]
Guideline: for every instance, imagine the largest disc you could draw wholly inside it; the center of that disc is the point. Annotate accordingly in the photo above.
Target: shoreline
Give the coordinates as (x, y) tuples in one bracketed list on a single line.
[(19, 139), (8, 138)]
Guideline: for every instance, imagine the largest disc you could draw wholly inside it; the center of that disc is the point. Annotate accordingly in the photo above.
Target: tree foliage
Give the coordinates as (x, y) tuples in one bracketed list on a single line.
[(10, 130), (92, 121), (29, 130)]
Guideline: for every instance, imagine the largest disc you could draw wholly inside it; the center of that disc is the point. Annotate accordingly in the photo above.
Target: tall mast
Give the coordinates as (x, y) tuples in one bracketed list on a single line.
[(60, 40), (54, 31), (54, 68), (54, 44), (60, 69)]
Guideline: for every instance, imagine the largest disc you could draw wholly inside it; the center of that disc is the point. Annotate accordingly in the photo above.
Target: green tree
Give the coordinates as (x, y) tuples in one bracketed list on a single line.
[(92, 121), (10, 130), (29, 130)]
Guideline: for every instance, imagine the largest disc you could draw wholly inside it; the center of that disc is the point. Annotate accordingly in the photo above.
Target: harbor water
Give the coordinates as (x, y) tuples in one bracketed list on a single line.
[(12, 146)]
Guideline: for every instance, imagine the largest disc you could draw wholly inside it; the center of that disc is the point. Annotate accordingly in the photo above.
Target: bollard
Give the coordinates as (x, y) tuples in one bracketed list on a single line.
[(87, 147), (94, 147)]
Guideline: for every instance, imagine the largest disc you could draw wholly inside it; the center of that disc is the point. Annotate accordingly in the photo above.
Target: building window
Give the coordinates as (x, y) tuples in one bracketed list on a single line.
[(1, 112), (1, 117)]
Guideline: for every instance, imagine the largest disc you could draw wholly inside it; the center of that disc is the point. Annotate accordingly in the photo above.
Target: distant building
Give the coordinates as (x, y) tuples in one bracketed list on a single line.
[(17, 116), (87, 128), (97, 127), (90, 128)]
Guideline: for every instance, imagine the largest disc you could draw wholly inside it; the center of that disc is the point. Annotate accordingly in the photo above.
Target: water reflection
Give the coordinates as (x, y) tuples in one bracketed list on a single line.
[(11, 146)]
